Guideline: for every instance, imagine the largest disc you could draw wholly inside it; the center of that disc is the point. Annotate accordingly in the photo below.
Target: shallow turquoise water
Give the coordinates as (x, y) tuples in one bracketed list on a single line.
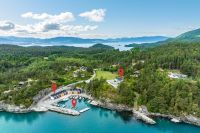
[(96, 120)]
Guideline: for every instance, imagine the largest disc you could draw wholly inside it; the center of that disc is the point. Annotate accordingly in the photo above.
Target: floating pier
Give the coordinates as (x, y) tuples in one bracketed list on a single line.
[(83, 110)]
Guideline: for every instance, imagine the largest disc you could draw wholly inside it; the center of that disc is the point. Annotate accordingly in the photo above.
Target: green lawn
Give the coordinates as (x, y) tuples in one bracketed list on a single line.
[(106, 75)]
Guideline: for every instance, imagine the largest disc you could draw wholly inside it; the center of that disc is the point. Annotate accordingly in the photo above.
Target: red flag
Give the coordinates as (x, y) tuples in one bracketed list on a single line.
[(121, 72), (74, 102), (54, 87)]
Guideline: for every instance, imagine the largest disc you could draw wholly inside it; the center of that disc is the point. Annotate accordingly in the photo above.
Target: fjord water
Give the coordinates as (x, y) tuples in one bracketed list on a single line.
[(96, 120)]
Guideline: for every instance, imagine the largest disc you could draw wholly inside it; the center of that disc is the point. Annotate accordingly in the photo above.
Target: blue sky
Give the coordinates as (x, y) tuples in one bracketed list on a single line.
[(98, 18)]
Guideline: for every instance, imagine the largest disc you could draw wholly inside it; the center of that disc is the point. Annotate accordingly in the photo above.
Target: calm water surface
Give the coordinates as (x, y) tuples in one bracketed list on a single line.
[(96, 120)]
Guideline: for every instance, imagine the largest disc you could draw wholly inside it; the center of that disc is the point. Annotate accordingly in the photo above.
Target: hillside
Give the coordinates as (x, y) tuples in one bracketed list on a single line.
[(191, 36)]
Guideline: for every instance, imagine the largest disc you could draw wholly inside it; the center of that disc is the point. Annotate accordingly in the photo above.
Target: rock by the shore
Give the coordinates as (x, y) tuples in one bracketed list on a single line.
[(13, 108), (190, 119), (39, 109), (143, 117), (111, 106), (175, 120)]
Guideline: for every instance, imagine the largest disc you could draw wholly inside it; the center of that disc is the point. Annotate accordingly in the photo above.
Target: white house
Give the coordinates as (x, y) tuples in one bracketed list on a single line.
[(177, 76)]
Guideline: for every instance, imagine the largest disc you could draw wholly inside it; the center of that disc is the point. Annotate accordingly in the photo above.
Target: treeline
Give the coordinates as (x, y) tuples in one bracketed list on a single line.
[(175, 55)]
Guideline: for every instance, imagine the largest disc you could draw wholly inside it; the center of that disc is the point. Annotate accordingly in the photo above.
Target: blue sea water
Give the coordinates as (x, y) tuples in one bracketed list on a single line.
[(116, 45), (96, 120)]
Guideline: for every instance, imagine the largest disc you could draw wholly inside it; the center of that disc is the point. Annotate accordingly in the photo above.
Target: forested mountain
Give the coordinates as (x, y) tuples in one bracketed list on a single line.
[(191, 36)]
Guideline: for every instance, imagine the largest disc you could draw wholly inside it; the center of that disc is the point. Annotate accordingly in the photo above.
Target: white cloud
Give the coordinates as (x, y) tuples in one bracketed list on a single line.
[(6, 25), (76, 29), (44, 29), (96, 15), (60, 18), (47, 26)]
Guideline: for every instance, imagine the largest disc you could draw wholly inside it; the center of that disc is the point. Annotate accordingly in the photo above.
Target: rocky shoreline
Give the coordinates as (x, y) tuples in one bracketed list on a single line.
[(189, 119), (147, 117), (20, 109), (143, 115), (13, 108), (120, 108)]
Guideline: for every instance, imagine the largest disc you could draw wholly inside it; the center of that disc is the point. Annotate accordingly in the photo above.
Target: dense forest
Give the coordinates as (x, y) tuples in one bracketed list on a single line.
[(24, 71), (151, 86)]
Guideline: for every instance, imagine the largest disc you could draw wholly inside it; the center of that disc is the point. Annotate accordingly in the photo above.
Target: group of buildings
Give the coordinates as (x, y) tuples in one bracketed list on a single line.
[(79, 72), (66, 92)]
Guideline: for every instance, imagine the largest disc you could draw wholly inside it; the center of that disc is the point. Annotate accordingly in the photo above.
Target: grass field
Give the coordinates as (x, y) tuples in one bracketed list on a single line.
[(106, 75)]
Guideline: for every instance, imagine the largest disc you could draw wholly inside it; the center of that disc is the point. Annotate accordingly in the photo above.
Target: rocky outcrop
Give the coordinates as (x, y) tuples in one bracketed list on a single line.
[(190, 119), (161, 115), (143, 117), (13, 108), (20, 109), (111, 106)]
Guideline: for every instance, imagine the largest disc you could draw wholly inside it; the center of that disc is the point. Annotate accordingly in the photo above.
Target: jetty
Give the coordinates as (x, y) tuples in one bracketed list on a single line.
[(64, 110), (84, 110)]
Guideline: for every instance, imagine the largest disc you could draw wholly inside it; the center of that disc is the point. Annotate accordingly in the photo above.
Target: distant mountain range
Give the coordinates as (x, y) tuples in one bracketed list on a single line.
[(76, 40), (190, 36)]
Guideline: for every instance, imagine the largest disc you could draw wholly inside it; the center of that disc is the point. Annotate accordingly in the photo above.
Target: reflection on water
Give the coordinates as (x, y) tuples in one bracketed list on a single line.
[(124, 116), (27, 117)]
